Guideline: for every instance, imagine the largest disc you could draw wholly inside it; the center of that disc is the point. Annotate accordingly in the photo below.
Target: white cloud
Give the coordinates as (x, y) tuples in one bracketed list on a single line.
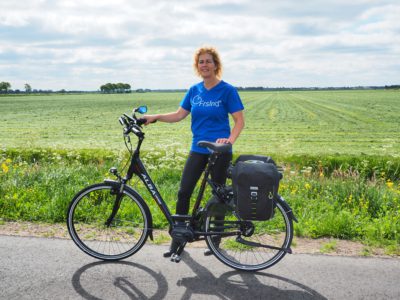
[(83, 44)]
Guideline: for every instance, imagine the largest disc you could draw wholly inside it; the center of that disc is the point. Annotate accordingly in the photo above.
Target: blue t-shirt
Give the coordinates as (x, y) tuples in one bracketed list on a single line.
[(210, 111)]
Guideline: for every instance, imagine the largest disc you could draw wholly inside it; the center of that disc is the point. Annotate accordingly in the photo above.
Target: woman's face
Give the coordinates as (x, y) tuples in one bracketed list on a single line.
[(206, 66)]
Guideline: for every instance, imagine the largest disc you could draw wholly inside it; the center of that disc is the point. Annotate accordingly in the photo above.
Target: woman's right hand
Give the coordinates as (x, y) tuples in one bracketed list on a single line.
[(150, 119)]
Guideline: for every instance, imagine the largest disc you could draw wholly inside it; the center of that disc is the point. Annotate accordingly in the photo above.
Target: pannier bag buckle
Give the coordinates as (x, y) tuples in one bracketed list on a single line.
[(253, 194)]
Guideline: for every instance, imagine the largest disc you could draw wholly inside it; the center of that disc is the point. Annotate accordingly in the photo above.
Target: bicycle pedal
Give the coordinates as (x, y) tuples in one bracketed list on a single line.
[(176, 258)]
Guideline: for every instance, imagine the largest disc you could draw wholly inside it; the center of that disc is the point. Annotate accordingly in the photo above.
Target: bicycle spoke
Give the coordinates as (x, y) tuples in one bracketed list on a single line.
[(259, 246), (87, 218)]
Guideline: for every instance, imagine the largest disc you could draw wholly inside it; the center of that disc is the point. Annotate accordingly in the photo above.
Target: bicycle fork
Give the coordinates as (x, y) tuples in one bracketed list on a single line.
[(116, 206)]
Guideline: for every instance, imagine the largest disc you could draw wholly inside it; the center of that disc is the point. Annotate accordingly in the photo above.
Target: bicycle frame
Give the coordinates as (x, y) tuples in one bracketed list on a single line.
[(137, 167)]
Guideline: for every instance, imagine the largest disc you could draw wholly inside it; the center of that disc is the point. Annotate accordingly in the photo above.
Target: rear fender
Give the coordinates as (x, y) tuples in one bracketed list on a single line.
[(287, 208)]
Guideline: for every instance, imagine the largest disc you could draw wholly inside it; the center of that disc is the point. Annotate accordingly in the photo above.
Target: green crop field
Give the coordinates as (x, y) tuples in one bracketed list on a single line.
[(340, 153), (312, 122)]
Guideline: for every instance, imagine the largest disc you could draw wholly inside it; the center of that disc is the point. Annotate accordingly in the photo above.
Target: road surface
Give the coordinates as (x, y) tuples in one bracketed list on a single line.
[(39, 268)]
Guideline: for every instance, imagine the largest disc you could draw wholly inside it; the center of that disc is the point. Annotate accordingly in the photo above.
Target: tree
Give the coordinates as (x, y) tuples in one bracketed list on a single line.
[(28, 88), (115, 88), (5, 86), (103, 88), (107, 88), (127, 88), (120, 87)]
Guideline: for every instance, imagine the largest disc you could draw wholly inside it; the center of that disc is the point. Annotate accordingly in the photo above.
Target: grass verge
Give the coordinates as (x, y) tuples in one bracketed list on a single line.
[(354, 201)]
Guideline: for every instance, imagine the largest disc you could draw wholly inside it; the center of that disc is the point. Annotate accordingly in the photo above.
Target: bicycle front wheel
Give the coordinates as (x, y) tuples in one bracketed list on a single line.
[(100, 236), (250, 245)]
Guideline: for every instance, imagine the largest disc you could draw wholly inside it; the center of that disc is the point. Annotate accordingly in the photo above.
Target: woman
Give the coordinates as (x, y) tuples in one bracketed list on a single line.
[(210, 102)]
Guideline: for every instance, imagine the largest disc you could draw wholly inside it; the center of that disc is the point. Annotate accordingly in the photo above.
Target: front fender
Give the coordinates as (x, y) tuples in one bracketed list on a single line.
[(117, 185)]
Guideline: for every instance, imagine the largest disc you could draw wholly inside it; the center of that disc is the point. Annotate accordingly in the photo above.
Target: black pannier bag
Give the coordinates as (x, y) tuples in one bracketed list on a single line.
[(255, 182)]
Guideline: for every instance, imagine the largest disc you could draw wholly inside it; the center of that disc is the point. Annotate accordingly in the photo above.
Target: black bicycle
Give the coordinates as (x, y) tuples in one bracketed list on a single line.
[(111, 221)]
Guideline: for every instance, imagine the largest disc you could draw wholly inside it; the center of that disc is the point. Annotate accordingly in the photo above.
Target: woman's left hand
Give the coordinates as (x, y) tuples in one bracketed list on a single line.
[(224, 141)]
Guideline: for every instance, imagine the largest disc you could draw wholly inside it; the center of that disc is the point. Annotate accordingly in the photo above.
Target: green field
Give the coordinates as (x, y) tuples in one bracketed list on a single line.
[(312, 122), (339, 150)]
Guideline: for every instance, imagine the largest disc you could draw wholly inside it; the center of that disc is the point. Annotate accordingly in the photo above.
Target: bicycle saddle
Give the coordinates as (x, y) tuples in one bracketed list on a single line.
[(220, 148)]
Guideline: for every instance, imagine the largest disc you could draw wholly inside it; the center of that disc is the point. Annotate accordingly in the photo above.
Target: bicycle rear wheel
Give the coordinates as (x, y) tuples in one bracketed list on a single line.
[(87, 216), (252, 245)]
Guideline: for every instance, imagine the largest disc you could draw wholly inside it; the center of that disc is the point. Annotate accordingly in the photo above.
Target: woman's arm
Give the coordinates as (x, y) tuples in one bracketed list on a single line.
[(177, 116), (238, 118)]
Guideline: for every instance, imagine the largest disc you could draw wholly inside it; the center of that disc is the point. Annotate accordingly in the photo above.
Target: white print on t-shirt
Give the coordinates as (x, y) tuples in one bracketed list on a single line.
[(198, 101)]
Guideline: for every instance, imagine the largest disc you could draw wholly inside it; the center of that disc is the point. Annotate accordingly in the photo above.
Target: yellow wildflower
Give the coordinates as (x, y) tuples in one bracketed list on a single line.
[(307, 186), (389, 184), (350, 198), (4, 167)]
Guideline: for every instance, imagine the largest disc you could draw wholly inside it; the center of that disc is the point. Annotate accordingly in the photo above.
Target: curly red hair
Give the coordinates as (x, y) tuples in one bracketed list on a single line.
[(214, 53)]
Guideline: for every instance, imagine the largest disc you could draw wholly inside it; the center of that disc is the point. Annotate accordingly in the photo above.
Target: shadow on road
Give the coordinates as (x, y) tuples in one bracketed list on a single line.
[(123, 280), (242, 285), (112, 280)]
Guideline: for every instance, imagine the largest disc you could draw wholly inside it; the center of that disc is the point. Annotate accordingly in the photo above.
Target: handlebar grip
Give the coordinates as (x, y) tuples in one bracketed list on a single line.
[(141, 121)]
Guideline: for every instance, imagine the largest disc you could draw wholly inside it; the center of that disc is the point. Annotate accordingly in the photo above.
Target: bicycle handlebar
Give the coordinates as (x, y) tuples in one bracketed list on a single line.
[(132, 123)]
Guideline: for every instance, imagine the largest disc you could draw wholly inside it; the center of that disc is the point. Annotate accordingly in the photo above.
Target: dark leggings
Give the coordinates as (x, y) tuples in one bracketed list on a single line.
[(195, 165)]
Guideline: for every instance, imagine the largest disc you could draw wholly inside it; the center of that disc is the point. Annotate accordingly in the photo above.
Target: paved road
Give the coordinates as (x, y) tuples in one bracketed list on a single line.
[(37, 268)]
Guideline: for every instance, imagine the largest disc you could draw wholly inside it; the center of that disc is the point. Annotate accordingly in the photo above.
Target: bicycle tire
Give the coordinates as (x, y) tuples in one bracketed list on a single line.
[(90, 209), (241, 255)]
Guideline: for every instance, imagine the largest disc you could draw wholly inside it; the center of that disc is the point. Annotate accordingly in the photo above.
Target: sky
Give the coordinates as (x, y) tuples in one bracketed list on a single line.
[(80, 45)]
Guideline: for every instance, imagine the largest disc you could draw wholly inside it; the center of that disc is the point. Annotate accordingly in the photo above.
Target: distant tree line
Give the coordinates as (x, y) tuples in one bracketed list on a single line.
[(5, 88), (260, 88), (392, 87), (116, 88)]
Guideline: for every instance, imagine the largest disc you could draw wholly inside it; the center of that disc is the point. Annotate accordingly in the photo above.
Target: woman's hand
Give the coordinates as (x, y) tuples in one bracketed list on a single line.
[(150, 119), (224, 141)]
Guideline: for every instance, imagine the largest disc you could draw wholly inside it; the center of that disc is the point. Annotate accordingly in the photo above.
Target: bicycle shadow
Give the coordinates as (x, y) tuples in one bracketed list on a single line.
[(123, 284), (124, 279), (241, 285)]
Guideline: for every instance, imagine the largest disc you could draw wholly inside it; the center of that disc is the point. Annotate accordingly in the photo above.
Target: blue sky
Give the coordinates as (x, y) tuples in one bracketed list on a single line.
[(150, 44)]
